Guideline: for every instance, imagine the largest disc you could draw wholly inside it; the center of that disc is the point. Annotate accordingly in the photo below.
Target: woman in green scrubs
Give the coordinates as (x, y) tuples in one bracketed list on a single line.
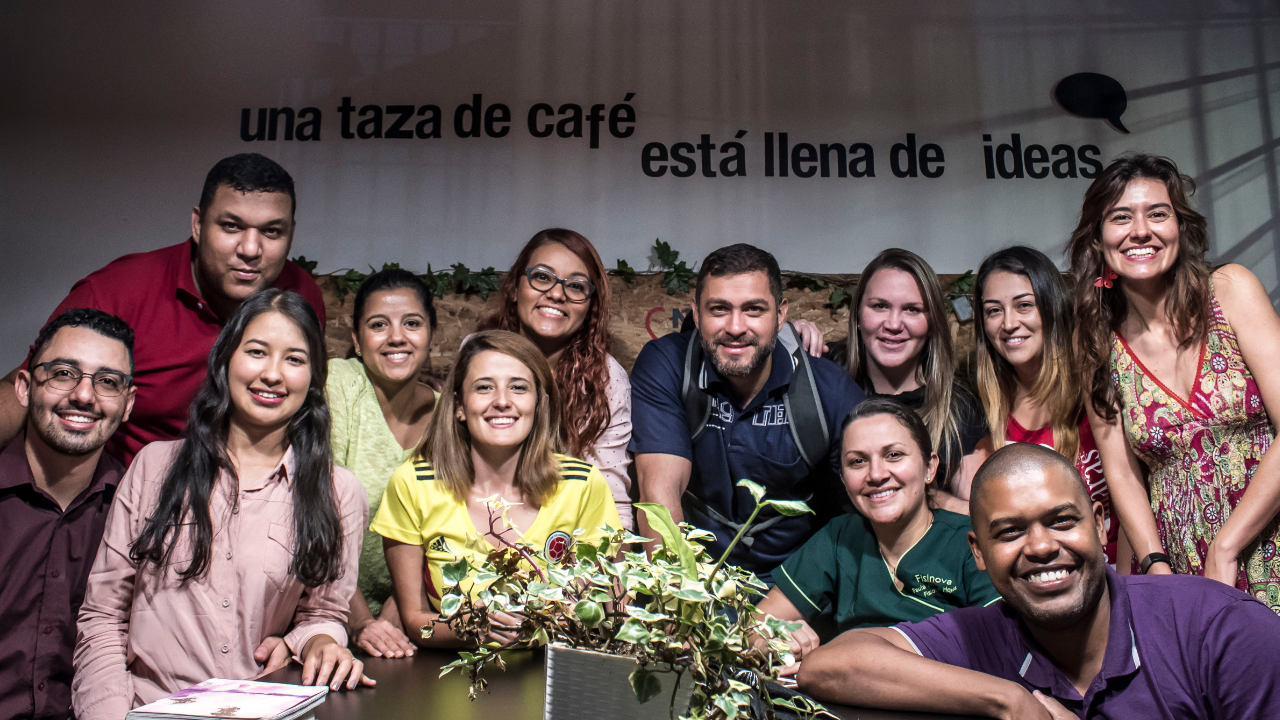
[(894, 561)]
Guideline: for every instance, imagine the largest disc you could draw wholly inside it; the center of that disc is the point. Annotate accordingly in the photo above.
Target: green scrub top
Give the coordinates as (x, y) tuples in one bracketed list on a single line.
[(841, 566)]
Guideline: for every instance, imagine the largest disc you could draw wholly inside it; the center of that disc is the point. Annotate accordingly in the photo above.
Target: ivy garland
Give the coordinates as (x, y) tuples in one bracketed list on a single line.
[(676, 275)]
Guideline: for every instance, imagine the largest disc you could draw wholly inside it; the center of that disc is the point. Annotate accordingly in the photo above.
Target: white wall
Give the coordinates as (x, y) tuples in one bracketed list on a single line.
[(113, 113)]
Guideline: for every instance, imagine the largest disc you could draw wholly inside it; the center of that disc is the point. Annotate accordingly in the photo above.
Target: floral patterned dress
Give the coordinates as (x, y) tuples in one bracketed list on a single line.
[(1201, 454)]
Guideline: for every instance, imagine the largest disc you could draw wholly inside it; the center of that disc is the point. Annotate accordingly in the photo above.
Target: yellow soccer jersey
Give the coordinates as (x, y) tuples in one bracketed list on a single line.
[(417, 510)]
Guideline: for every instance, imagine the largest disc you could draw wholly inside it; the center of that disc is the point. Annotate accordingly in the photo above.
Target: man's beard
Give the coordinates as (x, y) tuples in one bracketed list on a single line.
[(71, 442), (1084, 604), (744, 366)]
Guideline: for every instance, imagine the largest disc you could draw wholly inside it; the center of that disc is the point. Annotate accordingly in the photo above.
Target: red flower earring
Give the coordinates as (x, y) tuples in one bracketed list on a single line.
[(1105, 281)]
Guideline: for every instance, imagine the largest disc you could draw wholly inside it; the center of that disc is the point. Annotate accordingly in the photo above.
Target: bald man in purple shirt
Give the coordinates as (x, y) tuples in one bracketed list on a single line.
[(1071, 638)]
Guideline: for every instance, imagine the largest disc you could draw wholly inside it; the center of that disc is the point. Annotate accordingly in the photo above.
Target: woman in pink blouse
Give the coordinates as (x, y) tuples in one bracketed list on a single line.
[(557, 295), (241, 531)]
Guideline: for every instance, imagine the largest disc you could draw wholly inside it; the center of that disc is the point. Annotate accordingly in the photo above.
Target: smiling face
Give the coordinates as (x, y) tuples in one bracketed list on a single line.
[(1011, 318), (884, 470), (76, 421), (393, 338), (892, 319), (269, 372), (1140, 232), (499, 399), (1039, 537), (738, 321), (242, 242), (550, 315)]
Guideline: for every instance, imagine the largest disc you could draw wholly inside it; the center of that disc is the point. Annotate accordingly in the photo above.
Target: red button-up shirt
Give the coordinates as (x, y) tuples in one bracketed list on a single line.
[(45, 554), (174, 331)]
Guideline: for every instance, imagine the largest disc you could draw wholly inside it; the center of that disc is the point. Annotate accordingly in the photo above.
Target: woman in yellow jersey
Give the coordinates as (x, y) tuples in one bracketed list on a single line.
[(495, 433)]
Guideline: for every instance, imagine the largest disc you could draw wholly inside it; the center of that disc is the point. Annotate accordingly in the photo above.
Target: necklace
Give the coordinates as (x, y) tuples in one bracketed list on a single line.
[(893, 567)]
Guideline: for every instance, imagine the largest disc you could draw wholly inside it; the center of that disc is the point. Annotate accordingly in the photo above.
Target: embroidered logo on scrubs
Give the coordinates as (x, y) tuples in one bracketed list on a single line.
[(557, 545), (440, 545), (929, 585)]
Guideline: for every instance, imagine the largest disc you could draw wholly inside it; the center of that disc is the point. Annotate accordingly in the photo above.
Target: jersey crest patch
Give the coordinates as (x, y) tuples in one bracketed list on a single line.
[(439, 544), (557, 545)]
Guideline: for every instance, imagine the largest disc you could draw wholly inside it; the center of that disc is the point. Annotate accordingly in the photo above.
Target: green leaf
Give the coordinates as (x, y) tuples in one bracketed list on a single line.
[(589, 612), (642, 614), (666, 256), (455, 572), (660, 519), (645, 684), (755, 488), (805, 281), (540, 637), (839, 296), (692, 595), (438, 283), (700, 534), (449, 605), (428, 631), (390, 266), (633, 631), (677, 278), (790, 508), (586, 552), (308, 265), (626, 272)]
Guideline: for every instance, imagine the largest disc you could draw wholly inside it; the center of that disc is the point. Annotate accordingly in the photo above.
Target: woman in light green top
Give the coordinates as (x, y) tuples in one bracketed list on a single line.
[(380, 413)]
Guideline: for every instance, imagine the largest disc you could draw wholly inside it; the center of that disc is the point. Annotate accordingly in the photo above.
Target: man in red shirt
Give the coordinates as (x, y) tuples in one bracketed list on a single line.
[(177, 298)]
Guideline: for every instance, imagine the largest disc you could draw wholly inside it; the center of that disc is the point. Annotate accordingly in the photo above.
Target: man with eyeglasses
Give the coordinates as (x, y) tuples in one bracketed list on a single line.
[(178, 298), (56, 486)]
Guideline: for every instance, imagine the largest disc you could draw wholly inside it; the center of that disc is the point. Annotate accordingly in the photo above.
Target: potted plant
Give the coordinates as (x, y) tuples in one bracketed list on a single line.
[(675, 619)]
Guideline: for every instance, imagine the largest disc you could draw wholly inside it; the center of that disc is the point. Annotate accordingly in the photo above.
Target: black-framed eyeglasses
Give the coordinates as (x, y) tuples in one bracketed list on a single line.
[(61, 376), (542, 280)]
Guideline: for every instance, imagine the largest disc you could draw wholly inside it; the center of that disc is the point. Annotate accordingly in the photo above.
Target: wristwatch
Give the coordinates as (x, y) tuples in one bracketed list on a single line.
[(1152, 559)]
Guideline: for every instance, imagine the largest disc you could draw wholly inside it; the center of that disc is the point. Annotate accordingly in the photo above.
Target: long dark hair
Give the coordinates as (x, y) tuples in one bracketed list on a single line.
[(193, 475), (582, 372), (1057, 385), (1099, 312)]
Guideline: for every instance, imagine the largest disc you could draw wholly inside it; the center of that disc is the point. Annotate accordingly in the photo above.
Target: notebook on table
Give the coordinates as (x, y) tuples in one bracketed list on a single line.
[(244, 699)]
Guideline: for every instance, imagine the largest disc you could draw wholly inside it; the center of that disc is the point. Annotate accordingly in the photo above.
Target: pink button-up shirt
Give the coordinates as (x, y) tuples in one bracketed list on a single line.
[(145, 635)]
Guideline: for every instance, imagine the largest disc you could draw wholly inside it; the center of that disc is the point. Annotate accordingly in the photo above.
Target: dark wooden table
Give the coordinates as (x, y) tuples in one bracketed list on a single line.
[(412, 689)]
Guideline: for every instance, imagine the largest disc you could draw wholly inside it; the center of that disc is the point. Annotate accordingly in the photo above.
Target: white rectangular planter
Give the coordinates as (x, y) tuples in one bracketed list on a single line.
[(588, 685)]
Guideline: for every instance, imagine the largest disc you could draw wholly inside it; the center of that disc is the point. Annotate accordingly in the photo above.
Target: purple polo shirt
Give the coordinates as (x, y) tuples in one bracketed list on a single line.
[(1178, 647), (45, 554)]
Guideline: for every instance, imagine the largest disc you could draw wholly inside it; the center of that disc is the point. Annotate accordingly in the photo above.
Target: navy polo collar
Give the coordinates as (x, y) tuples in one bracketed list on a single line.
[(783, 367), (1121, 658)]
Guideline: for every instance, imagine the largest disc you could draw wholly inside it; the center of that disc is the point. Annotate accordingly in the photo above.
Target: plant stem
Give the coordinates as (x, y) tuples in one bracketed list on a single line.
[(741, 531), (523, 552)]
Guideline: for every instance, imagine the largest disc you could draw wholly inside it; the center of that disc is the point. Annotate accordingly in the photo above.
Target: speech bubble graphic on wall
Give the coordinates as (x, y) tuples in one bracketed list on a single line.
[(1093, 95)]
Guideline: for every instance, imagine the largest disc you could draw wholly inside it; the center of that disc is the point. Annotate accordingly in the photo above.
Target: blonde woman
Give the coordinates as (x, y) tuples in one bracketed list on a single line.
[(899, 346), (495, 434), (1024, 366)]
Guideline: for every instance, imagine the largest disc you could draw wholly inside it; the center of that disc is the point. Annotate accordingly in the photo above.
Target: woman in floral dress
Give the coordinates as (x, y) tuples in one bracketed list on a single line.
[(1175, 392)]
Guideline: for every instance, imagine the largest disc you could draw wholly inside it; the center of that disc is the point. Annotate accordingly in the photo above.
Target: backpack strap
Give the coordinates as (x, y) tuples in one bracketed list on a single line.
[(697, 404), (805, 416)]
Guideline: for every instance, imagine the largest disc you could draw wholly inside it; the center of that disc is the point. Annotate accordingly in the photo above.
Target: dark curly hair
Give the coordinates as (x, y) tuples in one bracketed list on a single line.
[(1098, 313)]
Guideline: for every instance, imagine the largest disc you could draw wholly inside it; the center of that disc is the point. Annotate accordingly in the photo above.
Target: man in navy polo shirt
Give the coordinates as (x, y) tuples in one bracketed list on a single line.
[(745, 375), (1071, 637)]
